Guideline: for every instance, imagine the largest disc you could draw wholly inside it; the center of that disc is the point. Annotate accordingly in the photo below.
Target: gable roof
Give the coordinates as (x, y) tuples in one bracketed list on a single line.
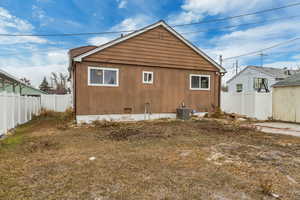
[(293, 80), (271, 71), (80, 50), (79, 58), (6, 76)]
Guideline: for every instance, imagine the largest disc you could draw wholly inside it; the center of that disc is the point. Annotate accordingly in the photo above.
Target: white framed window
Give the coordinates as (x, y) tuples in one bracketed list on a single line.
[(147, 77), (199, 82), (239, 87), (102, 76)]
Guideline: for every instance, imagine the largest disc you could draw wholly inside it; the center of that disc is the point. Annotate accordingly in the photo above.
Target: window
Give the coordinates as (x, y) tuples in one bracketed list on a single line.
[(147, 77), (239, 87), (103, 76), (260, 83), (199, 82)]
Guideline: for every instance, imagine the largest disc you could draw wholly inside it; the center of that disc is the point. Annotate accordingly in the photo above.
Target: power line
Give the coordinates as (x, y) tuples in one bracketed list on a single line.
[(262, 50), (239, 25), (242, 15), (221, 28), (128, 31)]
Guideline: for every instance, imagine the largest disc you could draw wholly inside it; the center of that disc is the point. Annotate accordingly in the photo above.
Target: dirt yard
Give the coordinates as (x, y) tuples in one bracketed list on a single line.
[(50, 158)]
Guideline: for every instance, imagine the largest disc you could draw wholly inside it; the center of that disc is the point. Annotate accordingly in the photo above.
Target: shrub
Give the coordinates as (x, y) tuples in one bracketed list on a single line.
[(68, 115)]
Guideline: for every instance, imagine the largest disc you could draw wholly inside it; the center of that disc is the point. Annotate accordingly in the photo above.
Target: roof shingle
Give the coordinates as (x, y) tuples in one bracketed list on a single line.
[(293, 80)]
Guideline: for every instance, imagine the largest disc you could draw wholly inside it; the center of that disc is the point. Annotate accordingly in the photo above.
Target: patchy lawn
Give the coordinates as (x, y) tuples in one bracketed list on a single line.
[(49, 158)]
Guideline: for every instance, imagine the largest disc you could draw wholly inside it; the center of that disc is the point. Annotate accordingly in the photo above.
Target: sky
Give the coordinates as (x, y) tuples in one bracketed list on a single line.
[(35, 57)]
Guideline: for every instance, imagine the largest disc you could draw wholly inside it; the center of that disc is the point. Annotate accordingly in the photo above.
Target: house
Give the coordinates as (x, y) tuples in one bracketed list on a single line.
[(286, 103), (11, 84), (146, 74), (254, 78)]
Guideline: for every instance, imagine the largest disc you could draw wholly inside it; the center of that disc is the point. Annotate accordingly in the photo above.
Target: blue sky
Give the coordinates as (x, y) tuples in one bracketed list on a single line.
[(35, 57)]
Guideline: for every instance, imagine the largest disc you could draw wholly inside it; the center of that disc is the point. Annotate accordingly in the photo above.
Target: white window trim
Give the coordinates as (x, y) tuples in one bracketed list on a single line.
[(199, 75), (103, 68), (147, 82)]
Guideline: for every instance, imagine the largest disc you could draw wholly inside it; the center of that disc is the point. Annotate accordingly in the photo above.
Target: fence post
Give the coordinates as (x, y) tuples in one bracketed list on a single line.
[(55, 102), (19, 109), (25, 108), (5, 112), (12, 96), (30, 109)]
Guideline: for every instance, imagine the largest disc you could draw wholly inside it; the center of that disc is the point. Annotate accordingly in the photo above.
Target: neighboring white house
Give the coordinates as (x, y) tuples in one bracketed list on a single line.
[(260, 79)]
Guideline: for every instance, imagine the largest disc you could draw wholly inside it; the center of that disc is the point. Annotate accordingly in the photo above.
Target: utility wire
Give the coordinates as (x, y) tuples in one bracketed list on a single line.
[(242, 15), (221, 28), (239, 25), (127, 31), (261, 50)]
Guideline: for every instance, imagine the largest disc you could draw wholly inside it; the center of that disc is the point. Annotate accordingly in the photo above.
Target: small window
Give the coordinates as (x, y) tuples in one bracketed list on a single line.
[(260, 83), (147, 77), (199, 82), (239, 87), (103, 76)]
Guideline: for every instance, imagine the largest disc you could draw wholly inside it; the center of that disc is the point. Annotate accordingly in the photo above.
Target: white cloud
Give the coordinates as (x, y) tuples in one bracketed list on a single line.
[(214, 7), (134, 23), (122, 3), (196, 10), (244, 41), (39, 14), (36, 66), (184, 18), (22, 40), (10, 22), (14, 25), (99, 40)]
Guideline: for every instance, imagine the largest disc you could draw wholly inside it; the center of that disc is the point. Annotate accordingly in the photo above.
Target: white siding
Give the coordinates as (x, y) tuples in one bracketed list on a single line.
[(247, 77)]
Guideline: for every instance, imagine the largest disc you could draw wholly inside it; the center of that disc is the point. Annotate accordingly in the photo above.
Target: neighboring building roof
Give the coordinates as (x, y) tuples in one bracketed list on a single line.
[(27, 89), (271, 71), (79, 57), (80, 50), (293, 80)]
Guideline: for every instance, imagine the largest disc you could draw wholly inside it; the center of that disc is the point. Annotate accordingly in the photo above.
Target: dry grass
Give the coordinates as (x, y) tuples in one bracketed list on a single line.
[(161, 159)]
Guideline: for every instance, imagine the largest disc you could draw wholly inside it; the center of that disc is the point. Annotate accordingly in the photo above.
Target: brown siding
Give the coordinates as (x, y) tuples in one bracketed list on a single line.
[(156, 47), (170, 89)]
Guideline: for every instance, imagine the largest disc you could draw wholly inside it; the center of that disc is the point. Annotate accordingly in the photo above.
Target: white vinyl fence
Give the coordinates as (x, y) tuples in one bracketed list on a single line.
[(16, 109), (251, 104), (58, 103)]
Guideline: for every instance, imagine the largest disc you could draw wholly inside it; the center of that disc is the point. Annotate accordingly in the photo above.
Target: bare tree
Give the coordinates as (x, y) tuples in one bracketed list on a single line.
[(25, 80), (60, 83)]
